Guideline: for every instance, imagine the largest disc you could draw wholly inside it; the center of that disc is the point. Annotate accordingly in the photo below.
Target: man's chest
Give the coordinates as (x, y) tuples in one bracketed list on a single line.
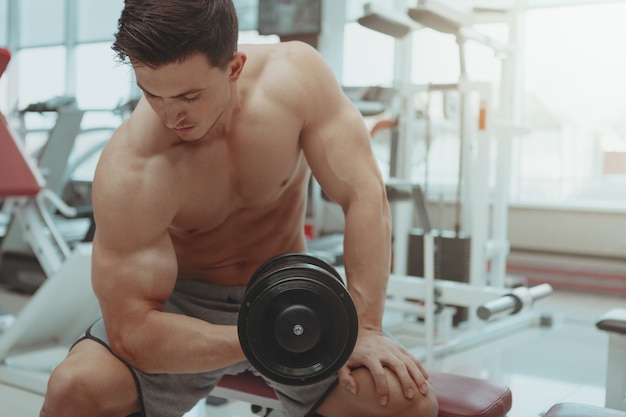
[(247, 172)]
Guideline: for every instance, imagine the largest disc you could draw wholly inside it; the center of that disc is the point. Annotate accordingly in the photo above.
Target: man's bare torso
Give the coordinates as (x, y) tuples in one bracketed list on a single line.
[(240, 194)]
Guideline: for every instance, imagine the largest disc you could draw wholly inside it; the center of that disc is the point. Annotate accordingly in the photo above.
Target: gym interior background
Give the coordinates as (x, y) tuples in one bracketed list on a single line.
[(546, 74)]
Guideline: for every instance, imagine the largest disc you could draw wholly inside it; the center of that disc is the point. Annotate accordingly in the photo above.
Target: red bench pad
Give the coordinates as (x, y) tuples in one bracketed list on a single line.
[(461, 396), (248, 383), (458, 396)]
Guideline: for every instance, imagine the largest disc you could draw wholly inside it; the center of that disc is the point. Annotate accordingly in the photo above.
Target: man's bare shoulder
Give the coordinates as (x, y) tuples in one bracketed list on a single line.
[(284, 61), (134, 163), (279, 54), (143, 133), (288, 71)]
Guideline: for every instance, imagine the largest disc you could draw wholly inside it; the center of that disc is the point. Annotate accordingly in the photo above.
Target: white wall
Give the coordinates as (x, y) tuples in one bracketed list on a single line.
[(578, 232), (581, 232)]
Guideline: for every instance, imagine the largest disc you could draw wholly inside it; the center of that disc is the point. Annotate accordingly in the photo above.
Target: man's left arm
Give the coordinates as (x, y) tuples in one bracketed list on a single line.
[(337, 147)]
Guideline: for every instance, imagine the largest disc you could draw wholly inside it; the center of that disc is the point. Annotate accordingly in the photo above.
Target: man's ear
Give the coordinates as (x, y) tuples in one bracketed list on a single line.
[(237, 62)]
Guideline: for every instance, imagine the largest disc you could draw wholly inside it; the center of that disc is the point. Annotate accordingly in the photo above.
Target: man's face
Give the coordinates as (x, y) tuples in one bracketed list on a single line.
[(188, 96)]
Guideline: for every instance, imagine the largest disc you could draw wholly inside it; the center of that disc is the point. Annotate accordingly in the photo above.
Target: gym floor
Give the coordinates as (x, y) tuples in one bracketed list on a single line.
[(541, 365)]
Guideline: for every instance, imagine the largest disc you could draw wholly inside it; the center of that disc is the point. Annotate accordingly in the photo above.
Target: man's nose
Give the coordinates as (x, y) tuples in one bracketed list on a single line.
[(173, 114)]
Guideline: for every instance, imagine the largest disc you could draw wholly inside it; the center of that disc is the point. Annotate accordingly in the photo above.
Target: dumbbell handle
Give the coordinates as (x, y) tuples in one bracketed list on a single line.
[(514, 302)]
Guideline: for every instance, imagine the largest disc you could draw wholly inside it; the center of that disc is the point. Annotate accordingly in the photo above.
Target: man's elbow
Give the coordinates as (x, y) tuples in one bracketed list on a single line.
[(128, 351)]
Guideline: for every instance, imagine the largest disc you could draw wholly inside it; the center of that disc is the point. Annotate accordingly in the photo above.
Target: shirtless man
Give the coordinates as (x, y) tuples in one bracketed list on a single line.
[(203, 183)]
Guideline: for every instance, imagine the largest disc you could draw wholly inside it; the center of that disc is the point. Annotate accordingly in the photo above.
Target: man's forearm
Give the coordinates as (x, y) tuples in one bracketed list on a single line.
[(174, 343), (367, 258)]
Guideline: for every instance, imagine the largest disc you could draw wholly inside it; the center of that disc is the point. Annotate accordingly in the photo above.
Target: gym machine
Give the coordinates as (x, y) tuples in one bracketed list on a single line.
[(471, 300), (22, 269), (64, 304), (68, 146)]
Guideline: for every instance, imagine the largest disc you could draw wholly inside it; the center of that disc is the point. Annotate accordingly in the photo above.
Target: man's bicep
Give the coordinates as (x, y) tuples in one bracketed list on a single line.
[(130, 283), (145, 270), (133, 256)]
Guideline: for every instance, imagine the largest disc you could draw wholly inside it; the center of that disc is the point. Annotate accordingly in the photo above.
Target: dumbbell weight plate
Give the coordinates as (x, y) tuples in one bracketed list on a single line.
[(293, 259), (297, 328), (297, 324)]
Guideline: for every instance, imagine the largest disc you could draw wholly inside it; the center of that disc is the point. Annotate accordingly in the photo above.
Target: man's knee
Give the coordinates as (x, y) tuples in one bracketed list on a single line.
[(366, 403), (90, 381), (67, 392)]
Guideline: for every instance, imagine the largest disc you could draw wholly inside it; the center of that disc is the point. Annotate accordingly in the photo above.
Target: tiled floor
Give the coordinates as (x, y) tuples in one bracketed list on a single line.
[(541, 365)]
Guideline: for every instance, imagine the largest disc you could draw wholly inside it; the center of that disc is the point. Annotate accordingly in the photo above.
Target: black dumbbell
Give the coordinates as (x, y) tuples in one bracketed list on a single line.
[(297, 324)]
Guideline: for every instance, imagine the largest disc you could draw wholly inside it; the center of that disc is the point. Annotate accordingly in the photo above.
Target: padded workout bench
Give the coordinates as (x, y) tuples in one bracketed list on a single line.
[(458, 396), (614, 322)]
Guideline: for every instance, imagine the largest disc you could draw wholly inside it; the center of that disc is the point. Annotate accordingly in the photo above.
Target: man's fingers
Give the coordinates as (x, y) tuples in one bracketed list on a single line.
[(403, 366), (380, 382), (346, 380), (408, 374), (419, 376), (421, 369), (407, 382)]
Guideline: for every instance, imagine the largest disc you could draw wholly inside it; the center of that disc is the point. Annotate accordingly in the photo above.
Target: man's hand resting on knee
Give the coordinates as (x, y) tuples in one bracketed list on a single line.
[(375, 351)]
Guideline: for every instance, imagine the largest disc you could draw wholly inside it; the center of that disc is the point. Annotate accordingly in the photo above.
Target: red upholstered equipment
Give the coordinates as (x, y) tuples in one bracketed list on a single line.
[(461, 396), (16, 176), (247, 383), (582, 410), (5, 57), (458, 396)]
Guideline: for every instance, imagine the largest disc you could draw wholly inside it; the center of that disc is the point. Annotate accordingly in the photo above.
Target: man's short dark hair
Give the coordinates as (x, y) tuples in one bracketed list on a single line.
[(159, 32)]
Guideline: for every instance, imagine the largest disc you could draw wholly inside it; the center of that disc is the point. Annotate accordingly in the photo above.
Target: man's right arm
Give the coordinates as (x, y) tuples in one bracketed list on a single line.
[(134, 269)]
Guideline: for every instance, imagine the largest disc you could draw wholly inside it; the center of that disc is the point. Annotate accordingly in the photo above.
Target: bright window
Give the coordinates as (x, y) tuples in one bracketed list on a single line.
[(101, 82), (575, 105), (97, 20), (42, 74), (370, 65), (41, 22), (4, 22), (574, 101)]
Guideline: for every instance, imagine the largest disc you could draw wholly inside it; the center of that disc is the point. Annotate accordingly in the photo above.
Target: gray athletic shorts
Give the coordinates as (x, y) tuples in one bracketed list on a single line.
[(169, 395)]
